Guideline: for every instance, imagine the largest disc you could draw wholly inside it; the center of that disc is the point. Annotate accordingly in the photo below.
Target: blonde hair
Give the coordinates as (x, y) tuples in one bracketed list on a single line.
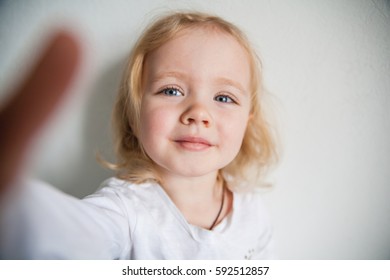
[(133, 164)]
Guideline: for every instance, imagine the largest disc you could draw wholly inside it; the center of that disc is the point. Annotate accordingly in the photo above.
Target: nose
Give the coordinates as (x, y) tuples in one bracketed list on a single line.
[(196, 114)]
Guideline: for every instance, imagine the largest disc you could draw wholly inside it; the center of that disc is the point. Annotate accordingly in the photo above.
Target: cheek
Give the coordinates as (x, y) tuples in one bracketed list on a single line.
[(155, 123), (233, 130)]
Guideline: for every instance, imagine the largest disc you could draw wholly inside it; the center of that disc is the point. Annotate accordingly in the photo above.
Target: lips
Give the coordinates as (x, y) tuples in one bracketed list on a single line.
[(193, 143)]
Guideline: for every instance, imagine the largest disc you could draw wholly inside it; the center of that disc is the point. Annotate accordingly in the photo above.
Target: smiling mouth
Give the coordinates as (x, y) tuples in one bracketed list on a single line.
[(194, 143)]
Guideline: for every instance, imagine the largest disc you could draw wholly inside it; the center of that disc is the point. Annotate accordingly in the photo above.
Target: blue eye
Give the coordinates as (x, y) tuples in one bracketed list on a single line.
[(171, 92), (224, 99)]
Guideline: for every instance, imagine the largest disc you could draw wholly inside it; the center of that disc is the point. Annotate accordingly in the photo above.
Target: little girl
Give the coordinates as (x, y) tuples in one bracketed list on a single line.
[(190, 132)]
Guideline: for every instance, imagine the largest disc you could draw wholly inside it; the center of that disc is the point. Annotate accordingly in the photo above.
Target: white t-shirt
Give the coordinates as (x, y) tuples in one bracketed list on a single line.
[(127, 221)]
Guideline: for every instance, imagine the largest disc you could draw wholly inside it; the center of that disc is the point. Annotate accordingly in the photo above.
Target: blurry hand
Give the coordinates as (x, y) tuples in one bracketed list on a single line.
[(32, 103)]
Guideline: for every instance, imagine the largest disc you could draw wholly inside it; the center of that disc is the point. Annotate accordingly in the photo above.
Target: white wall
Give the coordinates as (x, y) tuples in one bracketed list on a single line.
[(327, 64)]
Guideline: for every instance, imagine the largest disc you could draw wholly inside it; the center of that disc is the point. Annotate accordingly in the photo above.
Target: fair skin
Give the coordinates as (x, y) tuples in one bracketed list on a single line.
[(195, 107), (192, 183)]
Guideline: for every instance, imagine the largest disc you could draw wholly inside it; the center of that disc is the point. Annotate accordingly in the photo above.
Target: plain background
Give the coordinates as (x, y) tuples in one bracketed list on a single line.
[(326, 67)]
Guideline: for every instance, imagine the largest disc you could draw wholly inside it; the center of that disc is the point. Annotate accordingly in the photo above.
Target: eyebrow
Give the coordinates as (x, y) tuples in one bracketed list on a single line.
[(230, 82), (171, 74)]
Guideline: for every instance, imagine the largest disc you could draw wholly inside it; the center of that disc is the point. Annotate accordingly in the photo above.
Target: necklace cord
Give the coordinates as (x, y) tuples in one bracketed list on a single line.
[(220, 209)]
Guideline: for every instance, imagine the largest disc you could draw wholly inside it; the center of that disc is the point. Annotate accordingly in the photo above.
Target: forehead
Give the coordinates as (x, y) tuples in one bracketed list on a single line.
[(201, 53)]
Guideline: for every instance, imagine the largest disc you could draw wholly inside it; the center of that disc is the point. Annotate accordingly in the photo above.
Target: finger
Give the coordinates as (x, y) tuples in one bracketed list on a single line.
[(33, 102)]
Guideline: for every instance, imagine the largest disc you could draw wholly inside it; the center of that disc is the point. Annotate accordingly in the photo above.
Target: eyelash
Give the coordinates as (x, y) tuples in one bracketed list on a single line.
[(171, 88), (165, 91), (232, 100)]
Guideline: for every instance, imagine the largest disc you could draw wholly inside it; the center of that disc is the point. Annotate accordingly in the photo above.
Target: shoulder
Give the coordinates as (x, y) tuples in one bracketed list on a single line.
[(122, 188), (122, 192), (252, 200), (251, 208)]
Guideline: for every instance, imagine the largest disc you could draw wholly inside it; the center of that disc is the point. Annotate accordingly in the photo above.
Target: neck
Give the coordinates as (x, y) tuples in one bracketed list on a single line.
[(199, 199), (194, 188)]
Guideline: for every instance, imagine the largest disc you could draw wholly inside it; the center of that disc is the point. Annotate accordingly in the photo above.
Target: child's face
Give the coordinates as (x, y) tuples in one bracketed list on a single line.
[(196, 103)]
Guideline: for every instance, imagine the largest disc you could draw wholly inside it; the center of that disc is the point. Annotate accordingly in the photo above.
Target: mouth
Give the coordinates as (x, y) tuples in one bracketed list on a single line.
[(194, 143)]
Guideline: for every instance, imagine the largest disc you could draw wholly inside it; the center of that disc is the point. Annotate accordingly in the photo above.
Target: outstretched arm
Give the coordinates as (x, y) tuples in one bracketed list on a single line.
[(41, 222), (32, 103)]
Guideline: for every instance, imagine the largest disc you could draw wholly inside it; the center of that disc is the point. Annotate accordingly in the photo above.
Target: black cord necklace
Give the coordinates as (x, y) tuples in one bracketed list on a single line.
[(220, 209)]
